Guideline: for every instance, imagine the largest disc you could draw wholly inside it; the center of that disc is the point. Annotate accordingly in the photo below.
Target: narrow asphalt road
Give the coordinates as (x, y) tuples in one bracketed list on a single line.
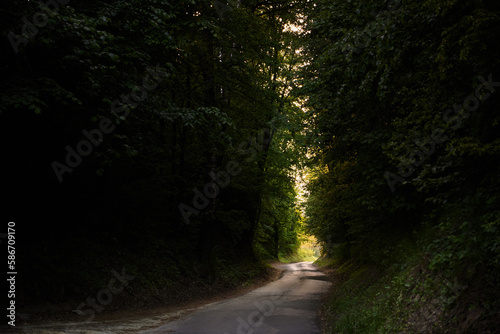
[(288, 306)]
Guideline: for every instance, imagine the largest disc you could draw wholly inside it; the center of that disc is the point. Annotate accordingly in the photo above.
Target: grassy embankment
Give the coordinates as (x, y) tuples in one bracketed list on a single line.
[(155, 275), (411, 292)]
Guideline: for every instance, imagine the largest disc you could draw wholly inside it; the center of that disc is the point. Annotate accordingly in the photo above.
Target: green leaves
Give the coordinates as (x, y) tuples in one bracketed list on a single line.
[(378, 86)]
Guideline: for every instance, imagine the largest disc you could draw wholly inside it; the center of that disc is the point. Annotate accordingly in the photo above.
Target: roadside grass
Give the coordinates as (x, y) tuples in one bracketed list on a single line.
[(303, 254), (406, 292), (400, 297), (297, 258)]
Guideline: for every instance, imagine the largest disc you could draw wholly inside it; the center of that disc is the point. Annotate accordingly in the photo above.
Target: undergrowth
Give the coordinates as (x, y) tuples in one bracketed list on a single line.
[(301, 255), (411, 293)]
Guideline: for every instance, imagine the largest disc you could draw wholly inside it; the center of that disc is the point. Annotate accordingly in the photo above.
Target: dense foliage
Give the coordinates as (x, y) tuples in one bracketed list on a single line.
[(404, 123), (145, 135), (167, 137)]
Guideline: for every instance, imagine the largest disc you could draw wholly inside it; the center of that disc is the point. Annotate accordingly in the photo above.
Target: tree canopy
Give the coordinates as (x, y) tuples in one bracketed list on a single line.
[(172, 135)]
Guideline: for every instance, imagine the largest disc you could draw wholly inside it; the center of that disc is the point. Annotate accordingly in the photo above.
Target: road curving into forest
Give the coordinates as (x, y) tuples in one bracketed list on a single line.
[(288, 305)]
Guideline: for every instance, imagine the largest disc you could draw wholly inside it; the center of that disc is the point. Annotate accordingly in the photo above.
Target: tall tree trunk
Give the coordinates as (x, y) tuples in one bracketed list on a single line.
[(276, 239)]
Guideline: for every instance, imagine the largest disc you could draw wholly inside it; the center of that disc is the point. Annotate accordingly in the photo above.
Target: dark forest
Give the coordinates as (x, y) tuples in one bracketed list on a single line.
[(179, 147)]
